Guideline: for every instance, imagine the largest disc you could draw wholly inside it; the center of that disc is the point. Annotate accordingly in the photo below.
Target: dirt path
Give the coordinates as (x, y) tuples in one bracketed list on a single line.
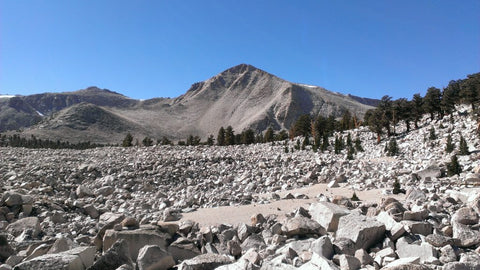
[(237, 214)]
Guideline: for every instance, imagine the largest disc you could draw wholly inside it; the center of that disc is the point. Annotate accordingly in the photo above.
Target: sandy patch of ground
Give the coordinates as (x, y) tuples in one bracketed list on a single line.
[(237, 214)]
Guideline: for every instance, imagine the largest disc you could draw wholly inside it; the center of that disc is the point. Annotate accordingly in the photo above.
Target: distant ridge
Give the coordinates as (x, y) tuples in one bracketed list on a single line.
[(242, 96)]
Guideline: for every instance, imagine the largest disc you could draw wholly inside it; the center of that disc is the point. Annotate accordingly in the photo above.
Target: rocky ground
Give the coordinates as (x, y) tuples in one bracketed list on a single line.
[(141, 208)]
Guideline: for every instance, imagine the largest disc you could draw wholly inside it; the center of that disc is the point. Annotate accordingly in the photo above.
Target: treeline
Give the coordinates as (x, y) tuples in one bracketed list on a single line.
[(321, 128), (228, 137), (225, 136), (437, 103), (33, 142)]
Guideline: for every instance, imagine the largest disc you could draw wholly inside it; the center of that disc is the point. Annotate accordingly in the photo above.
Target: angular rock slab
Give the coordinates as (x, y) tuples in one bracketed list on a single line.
[(327, 214), (136, 239), (152, 257), (405, 248), (319, 262), (76, 259), (465, 216), (115, 257), (53, 262), (17, 227), (467, 236), (302, 226), (364, 231), (394, 228), (205, 261)]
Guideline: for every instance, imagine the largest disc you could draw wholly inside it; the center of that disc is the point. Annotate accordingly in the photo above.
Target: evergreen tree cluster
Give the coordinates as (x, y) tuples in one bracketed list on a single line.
[(228, 137), (437, 103), (34, 142)]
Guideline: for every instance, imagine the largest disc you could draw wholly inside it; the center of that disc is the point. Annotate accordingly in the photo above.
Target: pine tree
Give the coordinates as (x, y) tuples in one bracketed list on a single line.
[(358, 145), (432, 136), (385, 115), (463, 147), (470, 94), (147, 141), (354, 197), (396, 187), (350, 152), (165, 141), (450, 146), (229, 136), (269, 135), (337, 145), (392, 149), (221, 136), (453, 167), (432, 102), (127, 141), (375, 120), (302, 127), (248, 136), (297, 145), (325, 143), (417, 109), (210, 140), (349, 140)]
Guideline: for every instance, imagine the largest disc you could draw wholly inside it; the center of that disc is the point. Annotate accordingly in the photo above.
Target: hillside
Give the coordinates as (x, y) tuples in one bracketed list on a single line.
[(242, 97)]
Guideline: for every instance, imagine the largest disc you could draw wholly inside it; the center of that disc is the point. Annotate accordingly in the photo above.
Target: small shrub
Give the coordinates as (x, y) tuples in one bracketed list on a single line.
[(358, 145), (147, 141), (350, 152), (450, 146), (396, 188), (453, 167), (354, 197), (463, 146), (432, 136), (392, 149), (127, 141)]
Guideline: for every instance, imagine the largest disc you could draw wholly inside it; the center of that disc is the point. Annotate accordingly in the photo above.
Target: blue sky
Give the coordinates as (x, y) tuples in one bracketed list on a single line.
[(145, 49)]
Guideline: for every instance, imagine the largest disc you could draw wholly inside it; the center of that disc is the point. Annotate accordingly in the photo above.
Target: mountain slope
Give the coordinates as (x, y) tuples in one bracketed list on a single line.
[(85, 122), (242, 97), (28, 110), (247, 97)]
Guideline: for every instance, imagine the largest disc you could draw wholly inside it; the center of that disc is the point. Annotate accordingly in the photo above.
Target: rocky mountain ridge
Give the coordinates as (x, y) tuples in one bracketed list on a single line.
[(242, 96)]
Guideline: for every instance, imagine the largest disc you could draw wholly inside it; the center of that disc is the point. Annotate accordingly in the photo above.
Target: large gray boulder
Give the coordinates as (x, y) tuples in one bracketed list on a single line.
[(418, 227), (364, 231), (467, 236), (319, 262), (183, 249), (394, 229), (52, 262), (323, 246), (76, 259), (465, 216), (412, 246), (205, 261), (136, 239), (327, 214), (302, 226), (152, 257), (114, 257), (17, 227)]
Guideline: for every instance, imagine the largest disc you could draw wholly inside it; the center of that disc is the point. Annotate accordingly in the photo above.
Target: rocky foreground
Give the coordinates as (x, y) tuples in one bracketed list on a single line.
[(121, 208)]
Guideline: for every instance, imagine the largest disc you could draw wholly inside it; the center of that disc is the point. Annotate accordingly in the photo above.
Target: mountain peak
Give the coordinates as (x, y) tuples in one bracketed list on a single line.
[(240, 69)]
